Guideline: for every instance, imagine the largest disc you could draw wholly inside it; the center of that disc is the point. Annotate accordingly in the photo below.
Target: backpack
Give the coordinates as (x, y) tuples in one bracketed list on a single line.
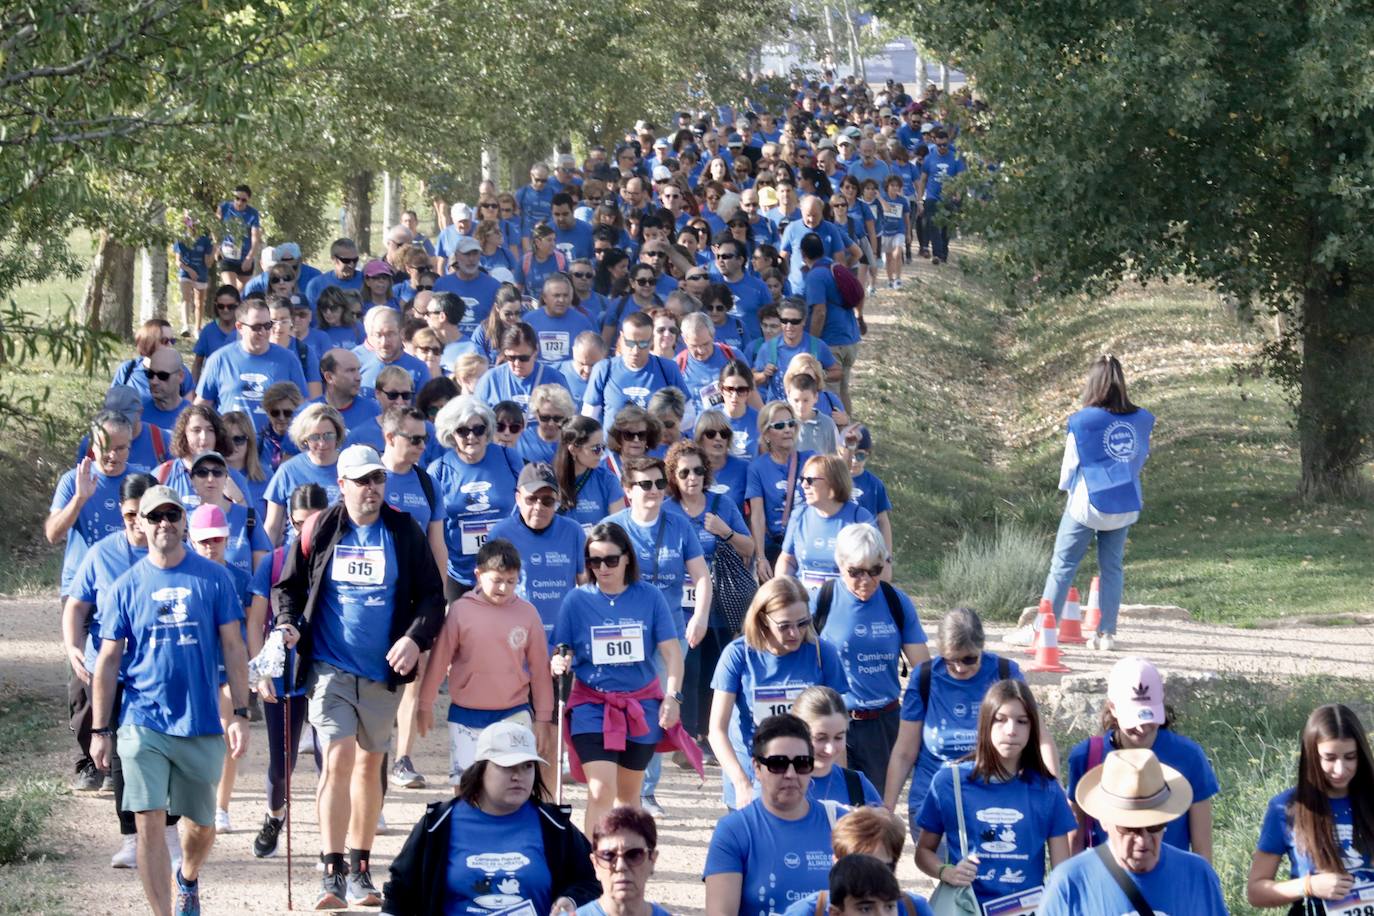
[(681, 358), (307, 539), (1083, 839), (923, 677), (826, 597), (527, 261), (813, 346), (854, 787), (851, 290)]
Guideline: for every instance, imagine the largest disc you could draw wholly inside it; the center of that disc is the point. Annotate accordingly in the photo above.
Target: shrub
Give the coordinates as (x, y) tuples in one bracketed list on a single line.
[(24, 811), (997, 574)]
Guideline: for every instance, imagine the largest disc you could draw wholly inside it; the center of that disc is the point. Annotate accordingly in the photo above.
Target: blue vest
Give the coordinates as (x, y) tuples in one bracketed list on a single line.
[(1112, 448)]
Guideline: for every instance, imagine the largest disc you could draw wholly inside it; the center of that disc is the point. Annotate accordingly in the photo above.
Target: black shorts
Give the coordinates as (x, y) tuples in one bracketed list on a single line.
[(453, 589), (228, 266), (591, 748)]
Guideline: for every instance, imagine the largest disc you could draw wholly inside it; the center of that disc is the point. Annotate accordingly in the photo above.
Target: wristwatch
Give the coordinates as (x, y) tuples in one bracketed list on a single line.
[(105, 732), (676, 697), (240, 712)]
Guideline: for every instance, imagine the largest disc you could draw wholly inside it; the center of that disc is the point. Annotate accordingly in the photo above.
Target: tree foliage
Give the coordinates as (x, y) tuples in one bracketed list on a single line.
[(1223, 142)]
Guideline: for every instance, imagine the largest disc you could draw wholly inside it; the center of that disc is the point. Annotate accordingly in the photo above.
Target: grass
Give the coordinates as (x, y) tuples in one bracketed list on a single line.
[(969, 431), (995, 571), (27, 725)]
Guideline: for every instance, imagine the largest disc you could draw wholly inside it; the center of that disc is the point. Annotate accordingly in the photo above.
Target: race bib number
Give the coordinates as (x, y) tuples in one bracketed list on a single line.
[(524, 908), (893, 210), (709, 395), (229, 248), (1359, 902), (1021, 903), (474, 535), (689, 597), (359, 565), (813, 580), (775, 701), (554, 346), (618, 645)]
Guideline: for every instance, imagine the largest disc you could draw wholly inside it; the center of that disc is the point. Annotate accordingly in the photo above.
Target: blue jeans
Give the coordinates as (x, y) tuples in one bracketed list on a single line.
[(1070, 544), (936, 231), (654, 770)]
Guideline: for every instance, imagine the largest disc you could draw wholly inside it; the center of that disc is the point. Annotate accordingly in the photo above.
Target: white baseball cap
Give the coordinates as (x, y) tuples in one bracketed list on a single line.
[(507, 744)]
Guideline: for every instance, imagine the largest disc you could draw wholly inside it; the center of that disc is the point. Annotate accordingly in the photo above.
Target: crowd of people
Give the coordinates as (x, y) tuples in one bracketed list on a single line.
[(589, 462)]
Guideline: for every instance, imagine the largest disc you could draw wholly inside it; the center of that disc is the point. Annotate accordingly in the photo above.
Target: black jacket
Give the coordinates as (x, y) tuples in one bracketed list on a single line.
[(419, 610), (419, 874)]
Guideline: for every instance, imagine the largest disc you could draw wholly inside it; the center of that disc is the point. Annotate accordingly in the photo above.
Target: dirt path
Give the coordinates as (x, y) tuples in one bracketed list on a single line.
[(84, 832)]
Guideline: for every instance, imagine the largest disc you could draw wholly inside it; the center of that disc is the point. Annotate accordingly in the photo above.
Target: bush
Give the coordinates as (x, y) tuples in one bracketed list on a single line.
[(996, 574), (24, 811)]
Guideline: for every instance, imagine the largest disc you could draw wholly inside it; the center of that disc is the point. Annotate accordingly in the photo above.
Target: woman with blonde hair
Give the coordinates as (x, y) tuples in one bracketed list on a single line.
[(773, 488), (808, 547), (319, 430)]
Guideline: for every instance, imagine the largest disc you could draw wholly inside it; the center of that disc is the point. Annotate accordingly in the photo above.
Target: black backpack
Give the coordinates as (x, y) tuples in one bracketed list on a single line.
[(923, 678), (826, 597)]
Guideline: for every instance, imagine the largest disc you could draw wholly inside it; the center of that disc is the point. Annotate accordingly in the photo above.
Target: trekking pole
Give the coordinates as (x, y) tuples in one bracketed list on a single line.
[(286, 760), (560, 689)]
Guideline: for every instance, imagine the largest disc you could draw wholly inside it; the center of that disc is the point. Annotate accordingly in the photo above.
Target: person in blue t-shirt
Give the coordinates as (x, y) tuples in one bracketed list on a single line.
[(829, 319), (774, 356), (383, 348), (542, 261), (624, 851), (1314, 822), (164, 401), (177, 617), (761, 673), (237, 375), (1136, 716), (1134, 796), (940, 165), (551, 545), (572, 237), (220, 331), (771, 502), (1013, 808), (535, 201), (736, 386), (240, 237), (246, 540), (825, 714), (557, 324), (345, 275), (776, 847), (873, 625), (519, 370), (588, 490), (550, 409), (834, 245), (866, 831), (469, 282), (895, 212), (808, 546), (856, 447), (729, 475), (632, 376), (320, 429), (194, 253), (940, 709), (749, 293), (85, 503)]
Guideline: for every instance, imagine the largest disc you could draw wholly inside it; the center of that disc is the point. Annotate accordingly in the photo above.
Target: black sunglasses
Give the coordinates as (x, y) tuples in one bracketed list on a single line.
[(777, 764), (633, 857), (394, 395), (684, 473), (217, 471), (610, 562), (872, 572), (159, 375), (658, 483), (503, 427), (158, 516)]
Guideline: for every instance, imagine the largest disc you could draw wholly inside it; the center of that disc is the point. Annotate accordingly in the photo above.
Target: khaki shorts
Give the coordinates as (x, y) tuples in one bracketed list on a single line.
[(343, 705), (172, 774)]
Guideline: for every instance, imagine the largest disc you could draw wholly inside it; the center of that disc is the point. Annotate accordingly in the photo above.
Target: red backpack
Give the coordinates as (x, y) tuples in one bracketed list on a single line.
[(851, 290)]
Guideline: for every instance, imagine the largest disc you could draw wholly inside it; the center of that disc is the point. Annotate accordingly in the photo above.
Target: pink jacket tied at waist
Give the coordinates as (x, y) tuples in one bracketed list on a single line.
[(623, 719)]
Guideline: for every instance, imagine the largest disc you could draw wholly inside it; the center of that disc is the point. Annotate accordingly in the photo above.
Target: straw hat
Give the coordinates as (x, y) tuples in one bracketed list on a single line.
[(1131, 788)]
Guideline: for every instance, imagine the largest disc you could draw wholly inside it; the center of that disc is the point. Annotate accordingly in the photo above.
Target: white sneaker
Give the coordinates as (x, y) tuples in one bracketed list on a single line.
[(897, 283), (127, 856), (1106, 642), (1022, 636), (173, 840), (222, 822), (1092, 642)]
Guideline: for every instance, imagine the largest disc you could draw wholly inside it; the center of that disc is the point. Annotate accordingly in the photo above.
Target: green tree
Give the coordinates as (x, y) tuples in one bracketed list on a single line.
[(1230, 144)]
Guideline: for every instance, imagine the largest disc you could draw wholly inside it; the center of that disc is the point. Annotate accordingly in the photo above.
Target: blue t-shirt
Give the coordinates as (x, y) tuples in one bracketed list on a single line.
[(536, 206), (163, 419), (550, 561), (719, 504), (501, 384), (833, 787), (532, 448), (779, 861), (638, 620), (744, 439), (871, 493), (496, 863), (832, 236), (595, 492), (810, 540), (950, 727), (575, 242), (234, 379), (776, 352), (294, 472), (1181, 884), (676, 544), (477, 294), (1011, 824), (556, 335), (476, 497), (260, 586), (107, 560), (406, 493), (243, 542), (806, 906), (938, 168), (372, 365), (1276, 836), (878, 171), (869, 643), (369, 432), (595, 909), (703, 380), (765, 684), (352, 628), (612, 385), (236, 230), (170, 620), (331, 278), (731, 480), (195, 254), (100, 515), (750, 294), (768, 481), (894, 215), (1174, 750), (532, 278), (355, 414), (841, 327), (212, 337)]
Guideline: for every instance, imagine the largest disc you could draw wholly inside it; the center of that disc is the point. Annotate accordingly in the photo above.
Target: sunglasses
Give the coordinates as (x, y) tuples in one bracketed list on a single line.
[(648, 486), (684, 473), (582, 275), (726, 257), (781, 425), (239, 441), (394, 395), (632, 857), (432, 351), (636, 434), (966, 660), (158, 516), (790, 321), (610, 562), (695, 277), (644, 281), (860, 455), (736, 389), (717, 307), (556, 420), (226, 306), (159, 375), (417, 440), (488, 205), (712, 434), (215, 472), (473, 432), (656, 254), (670, 331), (811, 481), (375, 479), (509, 427), (598, 449), (262, 327), (130, 515), (347, 260), (517, 357), (285, 413), (777, 764), (424, 288), (858, 572), (546, 501), (322, 438)]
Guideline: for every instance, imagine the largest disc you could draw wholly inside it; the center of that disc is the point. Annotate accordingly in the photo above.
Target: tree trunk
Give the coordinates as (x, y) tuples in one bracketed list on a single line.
[(153, 290), (358, 204), (108, 303), (391, 200)]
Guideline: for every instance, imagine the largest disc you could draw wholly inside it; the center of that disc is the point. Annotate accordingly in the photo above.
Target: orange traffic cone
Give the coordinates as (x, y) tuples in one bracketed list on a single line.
[(1072, 629), (1093, 619), (1046, 608), (1047, 650)]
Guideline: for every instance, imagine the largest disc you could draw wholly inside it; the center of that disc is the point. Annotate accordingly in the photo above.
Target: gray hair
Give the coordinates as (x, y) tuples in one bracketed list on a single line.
[(860, 544), (378, 315), (686, 303), (303, 424), (671, 400), (555, 396), (459, 411), (697, 323), (961, 628), (110, 421)]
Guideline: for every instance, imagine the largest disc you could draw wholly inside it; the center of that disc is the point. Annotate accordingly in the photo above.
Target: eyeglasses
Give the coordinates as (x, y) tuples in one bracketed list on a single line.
[(160, 376), (644, 281), (1153, 830), (239, 441), (517, 357), (552, 418), (425, 288), (873, 572), (582, 275), (436, 311), (717, 307), (262, 327), (416, 440), (658, 483), (130, 515), (546, 501), (284, 413), (790, 321), (736, 389), (684, 473), (471, 432), (610, 562), (633, 857), (225, 306), (811, 481), (375, 479), (860, 455), (281, 322), (712, 434), (656, 254), (158, 516), (781, 425), (352, 260), (726, 257), (515, 426), (328, 438), (215, 472), (965, 660), (791, 626), (637, 434), (669, 330), (636, 344), (598, 449), (777, 764), (488, 205), (538, 180), (394, 395)]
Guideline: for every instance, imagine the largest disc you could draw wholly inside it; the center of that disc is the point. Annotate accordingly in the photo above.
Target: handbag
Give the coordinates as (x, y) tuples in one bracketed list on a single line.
[(732, 583), (949, 900)]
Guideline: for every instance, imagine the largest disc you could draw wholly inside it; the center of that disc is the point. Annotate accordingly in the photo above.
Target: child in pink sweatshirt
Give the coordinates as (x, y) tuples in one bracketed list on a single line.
[(494, 651)]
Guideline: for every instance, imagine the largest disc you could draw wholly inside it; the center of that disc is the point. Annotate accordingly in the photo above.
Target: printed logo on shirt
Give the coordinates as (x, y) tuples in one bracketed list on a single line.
[(172, 601), (998, 835), (477, 492), (791, 860), (110, 505), (860, 630), (1119, 440), (961, 710), (518, 637), (254, 384), (551, 557), (639, 394), (718, 488)]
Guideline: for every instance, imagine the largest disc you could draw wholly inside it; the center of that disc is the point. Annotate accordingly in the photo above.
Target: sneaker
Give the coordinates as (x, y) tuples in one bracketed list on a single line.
[(127, 856), (1106, 642), (1092, 642), (405, 776), (188, 897), (88, 779), (222, 822), (1022, 636), (173, 841), (361, 891), (333, 889), (897, 283), (265, 843), (651, 806)]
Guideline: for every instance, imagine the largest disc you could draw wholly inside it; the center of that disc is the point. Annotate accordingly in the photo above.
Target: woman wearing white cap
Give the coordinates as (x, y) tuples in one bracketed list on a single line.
[(1135, 870), (1324, 824), (1135, 717), (498, 845)]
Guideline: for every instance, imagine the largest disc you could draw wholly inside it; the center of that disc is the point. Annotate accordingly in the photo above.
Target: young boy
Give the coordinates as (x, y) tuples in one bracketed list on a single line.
[(815, 431), (862, 885), (896, 215), (493, 651), (770, 324)]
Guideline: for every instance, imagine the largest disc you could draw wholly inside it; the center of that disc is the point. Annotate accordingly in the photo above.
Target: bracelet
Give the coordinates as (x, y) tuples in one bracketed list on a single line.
[(940, 875), (1307, 885), (105, 732)]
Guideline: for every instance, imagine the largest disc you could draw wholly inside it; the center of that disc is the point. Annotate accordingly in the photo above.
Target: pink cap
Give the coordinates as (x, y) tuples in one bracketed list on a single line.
[(1137, 693), (208, 522), (377, 268)]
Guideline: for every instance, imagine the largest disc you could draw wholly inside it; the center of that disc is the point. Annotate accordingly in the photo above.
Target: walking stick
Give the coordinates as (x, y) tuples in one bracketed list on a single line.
[(560, 691), (286, 759)]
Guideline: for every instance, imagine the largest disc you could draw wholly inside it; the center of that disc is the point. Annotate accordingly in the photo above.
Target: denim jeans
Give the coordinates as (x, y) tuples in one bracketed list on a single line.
[(936, 231), (1070, 544)]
